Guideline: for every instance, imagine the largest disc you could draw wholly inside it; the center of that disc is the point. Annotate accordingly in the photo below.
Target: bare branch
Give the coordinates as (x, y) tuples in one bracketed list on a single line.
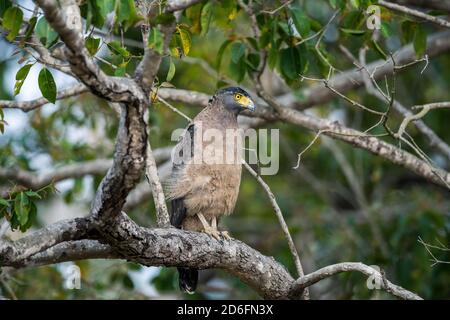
[(95, 167), (11, 252), (151, 173), (70, 251), (27, 106), (352, 79), (430, 4), (414, 13), (174, 247), (281, 220), (177, 5), (334, 269)]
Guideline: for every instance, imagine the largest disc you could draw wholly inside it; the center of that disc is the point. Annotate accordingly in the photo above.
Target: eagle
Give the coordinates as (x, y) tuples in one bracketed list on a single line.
[(206, 170)]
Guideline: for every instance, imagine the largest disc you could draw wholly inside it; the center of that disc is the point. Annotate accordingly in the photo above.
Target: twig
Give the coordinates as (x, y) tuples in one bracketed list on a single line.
[(299, 156), (277, 9), (281, 220)]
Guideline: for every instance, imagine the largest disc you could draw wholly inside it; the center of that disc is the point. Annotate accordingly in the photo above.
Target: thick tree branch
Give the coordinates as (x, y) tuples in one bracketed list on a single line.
[(414, 13), (82, 65), (429, 4), (173, 247), (69, 251), (12, 252)]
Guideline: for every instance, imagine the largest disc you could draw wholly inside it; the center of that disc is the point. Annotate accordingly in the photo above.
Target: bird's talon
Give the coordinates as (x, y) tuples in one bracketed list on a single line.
[(214, 233), (225, 235)]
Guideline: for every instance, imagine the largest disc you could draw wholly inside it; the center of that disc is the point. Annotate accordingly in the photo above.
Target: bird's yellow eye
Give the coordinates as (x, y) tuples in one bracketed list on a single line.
[(238, 96)]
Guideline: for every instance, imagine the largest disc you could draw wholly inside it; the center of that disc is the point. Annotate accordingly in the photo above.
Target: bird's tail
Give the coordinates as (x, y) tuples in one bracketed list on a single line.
[(187, 279)]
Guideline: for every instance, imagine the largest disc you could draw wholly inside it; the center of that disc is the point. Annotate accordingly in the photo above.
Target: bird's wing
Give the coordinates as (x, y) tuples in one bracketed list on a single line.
[(177, 185)]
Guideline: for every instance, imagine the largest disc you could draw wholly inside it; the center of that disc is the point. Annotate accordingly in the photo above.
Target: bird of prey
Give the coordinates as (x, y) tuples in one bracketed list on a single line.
[(205, 178)]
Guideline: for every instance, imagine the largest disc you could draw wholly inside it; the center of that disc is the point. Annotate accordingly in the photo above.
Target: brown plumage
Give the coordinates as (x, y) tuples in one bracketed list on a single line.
[(204, 185)]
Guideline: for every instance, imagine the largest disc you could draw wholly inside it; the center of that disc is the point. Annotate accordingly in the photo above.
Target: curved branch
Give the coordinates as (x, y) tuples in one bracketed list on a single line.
[(172, 247), (331, 270), (27, 106)]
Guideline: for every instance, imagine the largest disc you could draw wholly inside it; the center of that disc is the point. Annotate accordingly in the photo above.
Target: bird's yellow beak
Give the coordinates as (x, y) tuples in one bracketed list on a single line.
[(247, 103)]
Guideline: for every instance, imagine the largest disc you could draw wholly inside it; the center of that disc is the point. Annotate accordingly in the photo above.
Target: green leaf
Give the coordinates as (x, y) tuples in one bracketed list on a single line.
[(375, 45), (185, 38), (171, 71), (408, 30), (237, 51), (194, 14), (355, 3), (4, 4), (165, 18), (45, 33), (386, 29), (353, 31), (4, 203), (155, 40), (253, 60), (237, 70), (21, 75), (420, 41), (105, 6), (126, 13), (47, 85), (205, 18), (220, 53), (94, 15), (116, 48), (337, 4), (33, 194), (291, 64), (301, 21), (32, 214), (12, 19), (22, 208), (30, 29), (92, 45)]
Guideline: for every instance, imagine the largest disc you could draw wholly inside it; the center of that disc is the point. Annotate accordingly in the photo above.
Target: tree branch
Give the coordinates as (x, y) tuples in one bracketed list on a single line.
[(177, 5), (82, 65), (282, 222), (27, 106), (11, 252), (172, 247), (95, 167), (334, 269), (430, 4), (414, 13)]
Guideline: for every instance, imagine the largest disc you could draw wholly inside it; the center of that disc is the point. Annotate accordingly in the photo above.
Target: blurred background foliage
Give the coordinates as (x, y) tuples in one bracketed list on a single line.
[(376, 218)]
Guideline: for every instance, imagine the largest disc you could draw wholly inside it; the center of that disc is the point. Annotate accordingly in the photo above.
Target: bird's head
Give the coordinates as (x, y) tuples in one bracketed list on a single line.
[(235, 99)]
